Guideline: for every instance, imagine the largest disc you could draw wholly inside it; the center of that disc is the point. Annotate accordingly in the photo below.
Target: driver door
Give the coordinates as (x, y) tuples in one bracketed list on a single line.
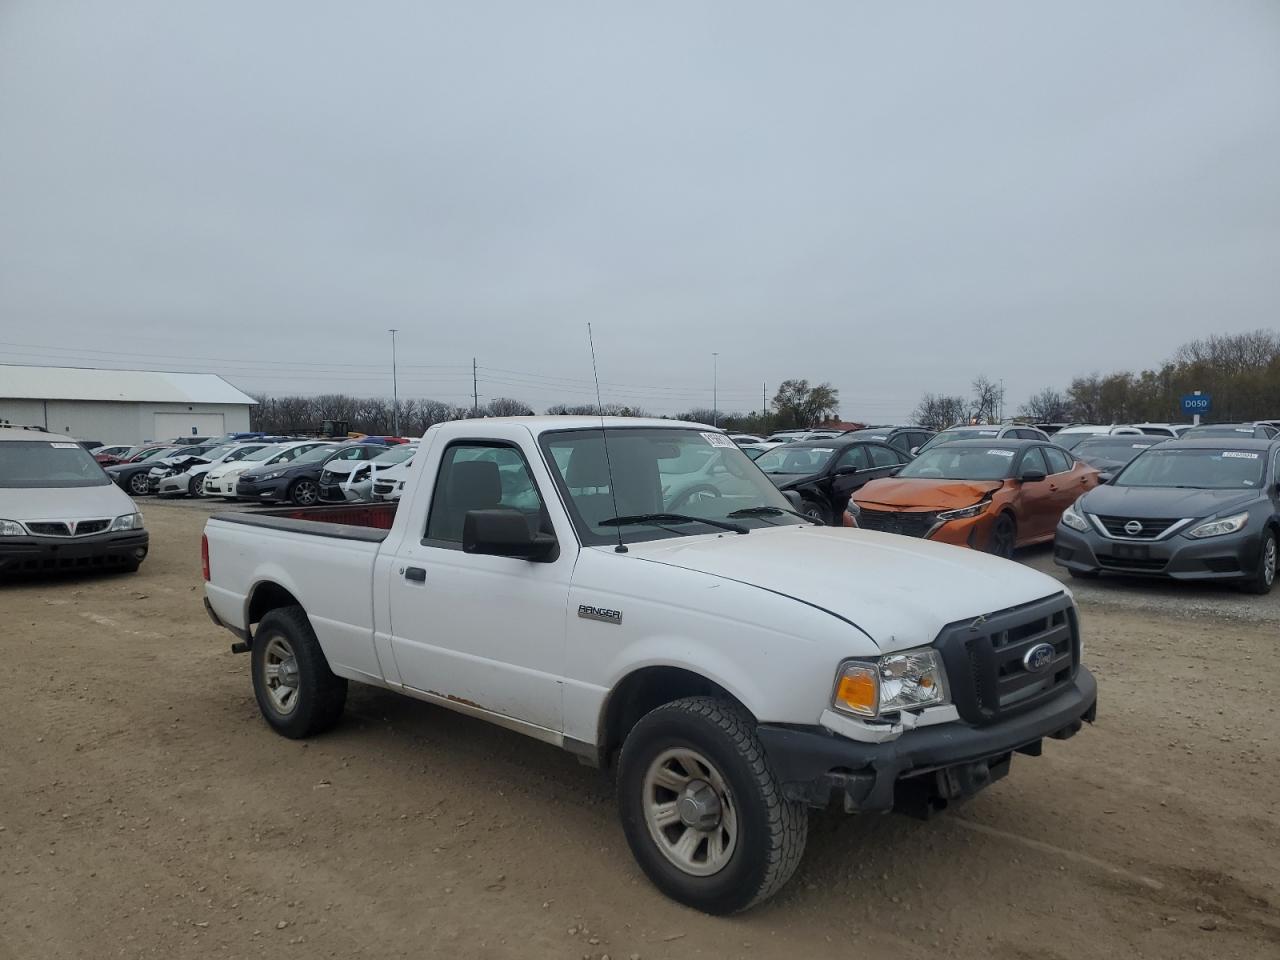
[(1037, 499)]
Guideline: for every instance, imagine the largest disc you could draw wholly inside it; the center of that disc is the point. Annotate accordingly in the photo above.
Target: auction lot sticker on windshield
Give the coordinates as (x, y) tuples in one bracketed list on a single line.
[(1000, 453), (64, 446), (717, 440), (1239, 455)]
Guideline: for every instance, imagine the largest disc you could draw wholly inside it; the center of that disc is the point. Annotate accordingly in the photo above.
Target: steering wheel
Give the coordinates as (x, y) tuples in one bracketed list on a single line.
[(703, 491)]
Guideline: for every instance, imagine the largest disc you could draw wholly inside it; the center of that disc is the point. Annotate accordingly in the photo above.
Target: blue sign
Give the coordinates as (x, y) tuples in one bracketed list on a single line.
[(1197, 403)]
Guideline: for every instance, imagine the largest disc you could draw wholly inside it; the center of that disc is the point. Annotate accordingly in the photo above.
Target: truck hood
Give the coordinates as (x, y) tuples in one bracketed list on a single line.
[(899, 590), (925, 493), (1164, 502), (65, 503)]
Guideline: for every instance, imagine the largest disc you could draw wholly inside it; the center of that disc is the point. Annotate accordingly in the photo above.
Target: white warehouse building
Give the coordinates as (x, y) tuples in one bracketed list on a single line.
[(121, 406)]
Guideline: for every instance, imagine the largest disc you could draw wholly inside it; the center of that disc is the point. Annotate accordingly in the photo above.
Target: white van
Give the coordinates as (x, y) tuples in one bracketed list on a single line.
[(60, 511)]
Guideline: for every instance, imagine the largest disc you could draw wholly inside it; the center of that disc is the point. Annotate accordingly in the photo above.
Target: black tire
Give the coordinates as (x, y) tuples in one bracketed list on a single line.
[(304, 493), (1264, 577), (139, 486), (770, 830), (1084, 574), (816, 511), (319, 695), (195, 487), (1004, 537)]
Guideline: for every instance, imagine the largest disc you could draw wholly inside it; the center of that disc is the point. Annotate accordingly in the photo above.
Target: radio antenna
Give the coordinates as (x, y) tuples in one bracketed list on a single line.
[(604, 437)]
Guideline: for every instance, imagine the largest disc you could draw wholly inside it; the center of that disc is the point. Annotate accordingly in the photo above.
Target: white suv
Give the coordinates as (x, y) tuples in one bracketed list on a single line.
[(60, 511)]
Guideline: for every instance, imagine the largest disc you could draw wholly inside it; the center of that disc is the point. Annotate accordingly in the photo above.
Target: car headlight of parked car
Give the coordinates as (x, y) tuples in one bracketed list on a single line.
[(1073, 518), (1216, 528), (965, 513), (274, 475), (889, 684), (129, 521), (12, 528)]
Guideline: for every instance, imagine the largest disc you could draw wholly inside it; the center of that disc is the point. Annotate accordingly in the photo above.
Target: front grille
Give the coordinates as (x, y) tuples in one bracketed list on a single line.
[(984, 658), (912, 524), (383, 487), (1130, 563), (57, 528), (1150, 529)]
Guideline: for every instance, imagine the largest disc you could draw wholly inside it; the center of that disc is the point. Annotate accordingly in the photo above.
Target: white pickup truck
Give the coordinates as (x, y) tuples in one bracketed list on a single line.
[(639, 593)]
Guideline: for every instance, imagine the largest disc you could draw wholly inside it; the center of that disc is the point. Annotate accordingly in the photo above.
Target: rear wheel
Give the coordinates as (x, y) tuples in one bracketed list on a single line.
[(305, 493), (701, 809), (1264, 579), (296, 691), (1004, 536)]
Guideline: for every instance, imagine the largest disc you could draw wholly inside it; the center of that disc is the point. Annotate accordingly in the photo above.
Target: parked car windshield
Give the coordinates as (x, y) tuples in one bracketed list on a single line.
[(967, 433), (263, 453), (316, 453), (1225, 430), (397, 454), (658, 470), (1069, 441), (962, 463), (1198, 468), (26, 464), (796, 458), (1118, 449)]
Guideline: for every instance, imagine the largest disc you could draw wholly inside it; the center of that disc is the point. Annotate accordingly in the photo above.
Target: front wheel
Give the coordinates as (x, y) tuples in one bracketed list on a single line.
[(305, 493), (139, 485), (1264, 579), (701, 809), (1004, 536), (296, 691), (195, 487), (815, 511)]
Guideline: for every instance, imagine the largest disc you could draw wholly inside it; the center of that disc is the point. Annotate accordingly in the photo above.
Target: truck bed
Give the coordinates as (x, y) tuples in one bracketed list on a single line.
[(370, 522)]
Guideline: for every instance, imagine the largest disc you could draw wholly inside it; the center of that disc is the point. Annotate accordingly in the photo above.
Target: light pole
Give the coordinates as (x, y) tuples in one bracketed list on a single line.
[(715, 389), (395, 391)]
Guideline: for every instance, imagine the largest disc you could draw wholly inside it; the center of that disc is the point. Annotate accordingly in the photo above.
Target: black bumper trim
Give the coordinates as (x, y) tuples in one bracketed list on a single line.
[(814, 764), (36, 555)]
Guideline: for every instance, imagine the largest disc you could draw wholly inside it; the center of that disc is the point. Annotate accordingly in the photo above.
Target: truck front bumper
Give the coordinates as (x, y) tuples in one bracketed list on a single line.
[(925, 769), (108, 551)]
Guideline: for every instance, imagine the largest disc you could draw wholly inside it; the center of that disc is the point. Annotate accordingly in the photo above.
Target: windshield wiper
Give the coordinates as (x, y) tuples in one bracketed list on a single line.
[(765, 511), (660, 518)]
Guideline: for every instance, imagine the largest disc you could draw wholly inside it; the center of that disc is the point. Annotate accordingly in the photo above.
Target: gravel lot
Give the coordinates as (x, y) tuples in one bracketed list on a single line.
[(145, 810)]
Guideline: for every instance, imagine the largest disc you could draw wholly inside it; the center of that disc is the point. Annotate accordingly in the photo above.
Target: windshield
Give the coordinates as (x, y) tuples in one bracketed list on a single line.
[(1200, 469), (1224, 431), (235, 453), (794, 458), (29, 464), (1114, 449), (316, 453), (969, 433), (397, 454), (262, 453), (1069, 441), (659, 470), (962, 463)]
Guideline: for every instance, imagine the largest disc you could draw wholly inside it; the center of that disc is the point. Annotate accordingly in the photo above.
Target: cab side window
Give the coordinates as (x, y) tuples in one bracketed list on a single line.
[(1033, 459), (855, 457), (1059, 462), (883, 456), (476, 476)]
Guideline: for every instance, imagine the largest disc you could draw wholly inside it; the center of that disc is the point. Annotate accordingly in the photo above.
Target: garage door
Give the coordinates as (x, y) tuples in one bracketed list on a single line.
[(169, 425)]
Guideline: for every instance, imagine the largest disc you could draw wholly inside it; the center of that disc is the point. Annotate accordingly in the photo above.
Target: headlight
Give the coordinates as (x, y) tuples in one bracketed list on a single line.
[(888, 684), (273, 476), (11, 528), (130, 521), (1073, 518), (964, 513), (1216, 528)]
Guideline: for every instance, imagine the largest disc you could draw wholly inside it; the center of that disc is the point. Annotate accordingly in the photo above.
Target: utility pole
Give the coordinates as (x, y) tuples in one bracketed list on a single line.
[(764, 403), (395, 390), (475, 390), (715, 389)]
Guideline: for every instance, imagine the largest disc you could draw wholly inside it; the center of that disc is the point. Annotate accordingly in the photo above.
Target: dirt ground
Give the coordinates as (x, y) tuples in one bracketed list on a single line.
[(146, 811)]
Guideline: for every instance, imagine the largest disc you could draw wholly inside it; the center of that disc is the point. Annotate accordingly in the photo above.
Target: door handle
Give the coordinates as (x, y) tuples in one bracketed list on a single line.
[(416, 574)]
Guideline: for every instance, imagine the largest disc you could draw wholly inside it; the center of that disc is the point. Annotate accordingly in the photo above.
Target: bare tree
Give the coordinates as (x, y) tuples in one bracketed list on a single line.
[(799, 405), (506, 407), (1047, 406), (988, 398), (937, 412)]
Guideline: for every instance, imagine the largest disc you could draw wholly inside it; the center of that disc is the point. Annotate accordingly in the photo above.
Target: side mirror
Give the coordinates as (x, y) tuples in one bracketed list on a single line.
[(504, 532), (914, 451), (796, 501), (1033, 476), (1105, 477), (895, 471)]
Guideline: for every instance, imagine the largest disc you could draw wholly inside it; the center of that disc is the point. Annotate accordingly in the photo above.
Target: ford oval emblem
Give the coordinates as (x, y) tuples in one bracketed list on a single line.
[(1038, 659), (1133, 528)]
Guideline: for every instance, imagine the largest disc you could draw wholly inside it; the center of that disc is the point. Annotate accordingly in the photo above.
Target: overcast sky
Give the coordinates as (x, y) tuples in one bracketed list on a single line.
[(894, 197)]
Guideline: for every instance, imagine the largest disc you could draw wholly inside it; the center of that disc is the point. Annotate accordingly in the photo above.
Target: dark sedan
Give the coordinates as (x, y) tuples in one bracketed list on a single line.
[(1110, 452), (906, 440), (826, 472), (1234, 431), (298, 481), (1199, 509), (132, 475)]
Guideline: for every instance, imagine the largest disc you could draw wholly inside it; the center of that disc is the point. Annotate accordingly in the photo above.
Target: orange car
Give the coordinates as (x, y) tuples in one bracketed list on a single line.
[(992, 495)]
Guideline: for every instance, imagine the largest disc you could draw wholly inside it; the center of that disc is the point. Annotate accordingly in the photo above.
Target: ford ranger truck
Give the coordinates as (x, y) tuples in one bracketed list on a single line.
[(730, 661)]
